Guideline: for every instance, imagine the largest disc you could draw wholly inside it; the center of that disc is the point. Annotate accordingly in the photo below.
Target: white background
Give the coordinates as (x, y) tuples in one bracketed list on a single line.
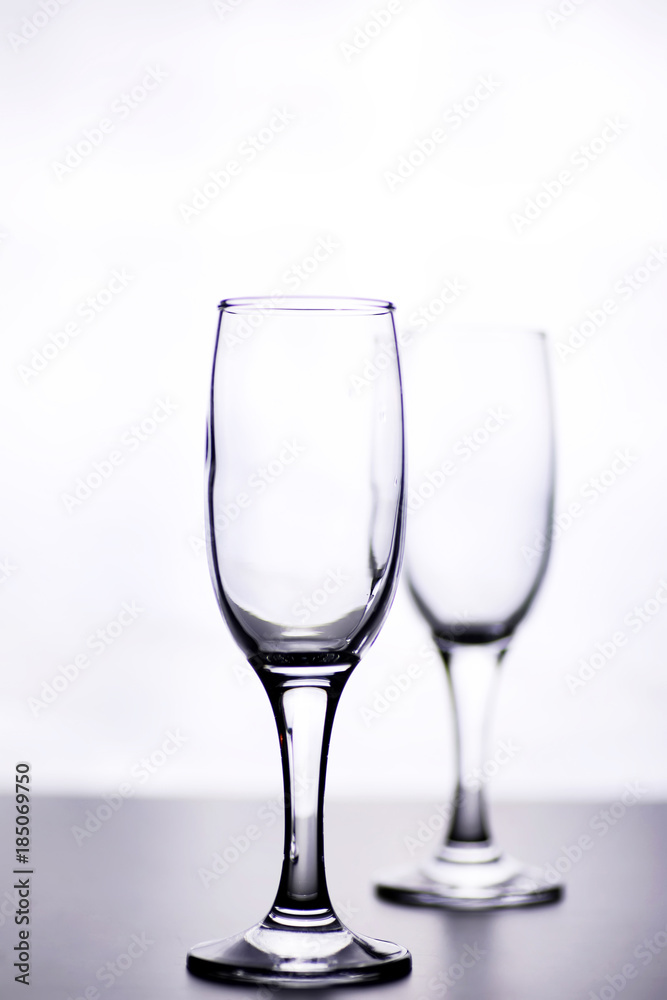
[(357, 110)]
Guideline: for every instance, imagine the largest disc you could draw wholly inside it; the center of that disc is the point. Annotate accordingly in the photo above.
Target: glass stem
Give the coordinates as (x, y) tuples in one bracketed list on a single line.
[(471, 673), (304, 710)]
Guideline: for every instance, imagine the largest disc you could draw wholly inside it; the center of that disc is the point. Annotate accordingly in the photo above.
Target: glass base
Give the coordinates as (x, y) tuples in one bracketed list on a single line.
[(280, 956), (469, 879)]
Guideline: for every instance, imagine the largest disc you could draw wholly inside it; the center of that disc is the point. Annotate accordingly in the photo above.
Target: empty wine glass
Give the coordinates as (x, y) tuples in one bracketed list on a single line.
[(305, 529), (481, 456)]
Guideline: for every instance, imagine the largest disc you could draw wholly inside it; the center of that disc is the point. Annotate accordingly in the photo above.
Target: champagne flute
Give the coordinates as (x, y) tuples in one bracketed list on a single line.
[(304, 563), (481, 489)]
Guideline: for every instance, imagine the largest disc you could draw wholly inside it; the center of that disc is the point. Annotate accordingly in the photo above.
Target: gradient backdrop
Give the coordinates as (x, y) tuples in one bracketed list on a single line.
[(475, 161)]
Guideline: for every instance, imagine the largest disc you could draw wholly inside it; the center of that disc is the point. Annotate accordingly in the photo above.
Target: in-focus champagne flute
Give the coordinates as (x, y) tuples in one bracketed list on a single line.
[(481, 457), (304, 566)]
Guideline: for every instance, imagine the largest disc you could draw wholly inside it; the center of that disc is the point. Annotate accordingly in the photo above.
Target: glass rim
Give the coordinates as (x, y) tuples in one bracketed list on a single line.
[(307, 303)]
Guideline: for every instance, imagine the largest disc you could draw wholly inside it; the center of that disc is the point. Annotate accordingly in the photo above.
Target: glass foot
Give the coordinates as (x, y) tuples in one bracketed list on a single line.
[(285, 956), (469, 879)]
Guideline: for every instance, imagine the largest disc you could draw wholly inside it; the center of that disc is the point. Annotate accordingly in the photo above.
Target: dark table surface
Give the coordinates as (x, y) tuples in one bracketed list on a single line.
[(137, 883)]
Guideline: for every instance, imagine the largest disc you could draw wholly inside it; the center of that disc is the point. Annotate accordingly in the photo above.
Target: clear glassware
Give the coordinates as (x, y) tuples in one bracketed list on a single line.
[(481, 458), (306, 515)]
